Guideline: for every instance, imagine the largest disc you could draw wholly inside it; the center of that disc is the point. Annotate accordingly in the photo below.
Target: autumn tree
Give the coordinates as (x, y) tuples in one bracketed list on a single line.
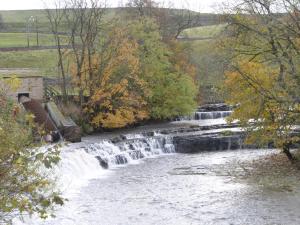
[(135, 76), (24, 189), (264, 79), (117, 91)]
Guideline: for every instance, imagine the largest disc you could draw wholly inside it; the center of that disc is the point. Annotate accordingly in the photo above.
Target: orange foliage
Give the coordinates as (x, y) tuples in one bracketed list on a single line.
[(180, 59), (117, 93)]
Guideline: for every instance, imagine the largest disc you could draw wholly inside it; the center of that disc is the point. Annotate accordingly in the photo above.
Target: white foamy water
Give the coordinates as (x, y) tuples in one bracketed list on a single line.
[(207, 115), (81, 163), (130, 150), (75, 169), (178, 190)]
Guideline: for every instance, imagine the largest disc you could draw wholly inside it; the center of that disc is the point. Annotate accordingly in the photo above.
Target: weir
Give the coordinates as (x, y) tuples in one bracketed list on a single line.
[(209, 112), (130, 150), (110, 153), (82, 164)]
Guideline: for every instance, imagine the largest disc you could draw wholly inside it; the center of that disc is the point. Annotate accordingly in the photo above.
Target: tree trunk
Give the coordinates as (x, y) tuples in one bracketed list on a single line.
[(61, 66), (286, 151), (81, 97)]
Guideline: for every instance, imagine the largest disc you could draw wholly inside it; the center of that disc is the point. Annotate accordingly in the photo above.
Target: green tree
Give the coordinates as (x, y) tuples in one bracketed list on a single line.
[(23, 188), (264, 79), (133, 75), (172, 90)]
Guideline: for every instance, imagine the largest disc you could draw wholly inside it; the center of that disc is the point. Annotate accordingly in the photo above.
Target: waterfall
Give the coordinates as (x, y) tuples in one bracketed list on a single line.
[(82, 162), (130, 150), (207, 115), (75, 169), (211, 115)]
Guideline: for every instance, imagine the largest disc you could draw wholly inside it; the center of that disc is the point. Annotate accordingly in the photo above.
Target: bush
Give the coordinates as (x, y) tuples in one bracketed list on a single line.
[(23, 189)]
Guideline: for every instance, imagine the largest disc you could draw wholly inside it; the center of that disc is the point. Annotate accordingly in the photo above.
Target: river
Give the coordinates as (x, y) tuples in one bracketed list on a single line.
[(178, 189), (148, 183)]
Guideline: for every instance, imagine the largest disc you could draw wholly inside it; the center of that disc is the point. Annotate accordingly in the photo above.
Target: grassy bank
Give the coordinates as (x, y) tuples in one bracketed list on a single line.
[(21, 39), (203, 32), (45, 60)]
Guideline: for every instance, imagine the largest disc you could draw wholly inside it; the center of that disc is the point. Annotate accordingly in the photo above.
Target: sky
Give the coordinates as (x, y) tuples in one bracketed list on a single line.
[(197, 5)]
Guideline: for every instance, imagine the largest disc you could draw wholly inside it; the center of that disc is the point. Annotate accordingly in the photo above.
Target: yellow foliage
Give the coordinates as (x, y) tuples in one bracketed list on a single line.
[(13, 83), (117, 93), (180, 59), (253, 87)]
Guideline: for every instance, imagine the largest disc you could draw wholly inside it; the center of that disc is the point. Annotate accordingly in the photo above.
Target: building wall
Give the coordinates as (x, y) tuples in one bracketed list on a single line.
[(30, 85)]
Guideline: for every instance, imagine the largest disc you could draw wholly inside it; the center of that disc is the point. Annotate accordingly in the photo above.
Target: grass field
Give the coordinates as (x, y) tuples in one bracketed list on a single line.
[(20, 39), (45, 60), (16, 20), (20, 16)]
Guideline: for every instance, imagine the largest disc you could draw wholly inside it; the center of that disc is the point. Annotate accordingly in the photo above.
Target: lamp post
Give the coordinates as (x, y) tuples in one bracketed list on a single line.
[(30, 21), (37, 31)]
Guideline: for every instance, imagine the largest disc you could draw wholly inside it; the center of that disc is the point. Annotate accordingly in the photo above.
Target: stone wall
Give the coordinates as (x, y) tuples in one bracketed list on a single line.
[(32, 86)]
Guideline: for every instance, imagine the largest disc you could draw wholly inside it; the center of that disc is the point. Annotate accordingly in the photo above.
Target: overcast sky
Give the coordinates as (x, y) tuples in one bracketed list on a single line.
[(197, 5)]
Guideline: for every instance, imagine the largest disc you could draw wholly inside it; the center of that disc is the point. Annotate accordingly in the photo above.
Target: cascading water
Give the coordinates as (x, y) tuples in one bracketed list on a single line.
[(80, 163), (130, 150), (83, 162), (212, 115), (210, 112), (207, 115), (88, 161)]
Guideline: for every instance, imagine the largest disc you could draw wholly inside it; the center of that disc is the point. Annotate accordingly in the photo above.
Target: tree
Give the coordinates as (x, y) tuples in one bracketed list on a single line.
[(134, 76), (80, 21), (84, 19), (144, 7), (56, 19), (171, 21), (264, 79), (172, 89), (117, 92), (23, 188)]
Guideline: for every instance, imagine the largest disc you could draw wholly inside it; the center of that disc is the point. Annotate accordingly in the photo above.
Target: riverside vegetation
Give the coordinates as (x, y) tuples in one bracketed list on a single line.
[(23, 189), (130, 67)]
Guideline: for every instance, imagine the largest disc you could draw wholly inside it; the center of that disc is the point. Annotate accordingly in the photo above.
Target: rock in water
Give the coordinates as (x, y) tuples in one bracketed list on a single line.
[(103, 163)]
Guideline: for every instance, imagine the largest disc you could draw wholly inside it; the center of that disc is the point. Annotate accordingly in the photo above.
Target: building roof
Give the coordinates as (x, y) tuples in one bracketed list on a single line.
[(19, 72)]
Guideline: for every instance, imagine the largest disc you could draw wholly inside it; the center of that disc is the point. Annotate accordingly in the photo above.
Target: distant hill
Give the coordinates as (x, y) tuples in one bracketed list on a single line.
[(16, 20)]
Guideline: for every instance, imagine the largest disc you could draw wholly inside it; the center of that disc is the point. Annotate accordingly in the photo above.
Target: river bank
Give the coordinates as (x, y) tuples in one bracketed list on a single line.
[(273, 172)]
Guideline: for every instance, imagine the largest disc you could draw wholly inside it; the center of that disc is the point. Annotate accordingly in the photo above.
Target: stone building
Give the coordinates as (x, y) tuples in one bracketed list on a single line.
[(31, 83)]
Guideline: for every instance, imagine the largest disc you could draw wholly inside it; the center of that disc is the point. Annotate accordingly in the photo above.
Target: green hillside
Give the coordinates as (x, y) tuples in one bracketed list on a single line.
[(203, 32), (14, 35), (16, 20), (208, 59)]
